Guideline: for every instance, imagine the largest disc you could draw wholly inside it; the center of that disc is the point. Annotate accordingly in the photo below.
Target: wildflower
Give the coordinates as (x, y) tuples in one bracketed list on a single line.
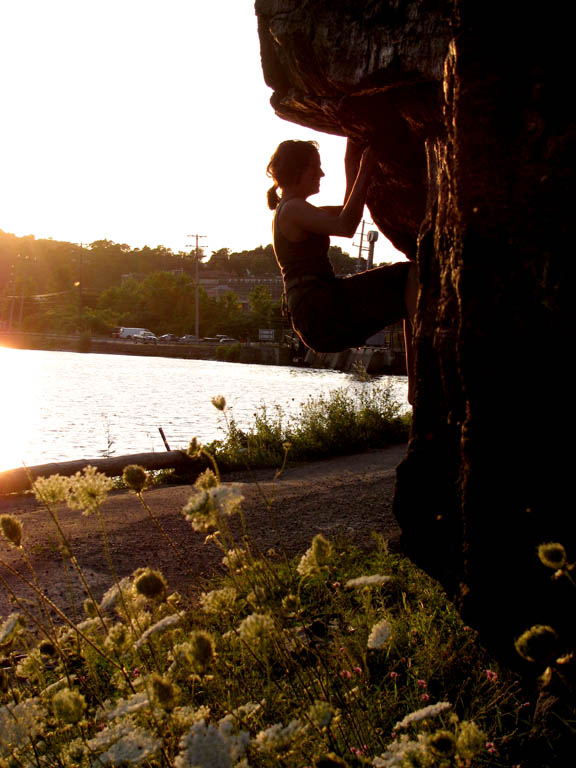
[(204, 508), (425, 697), (469, 739), (135, 477), (128, 706), (51, 490), (31, 667), (206, 746), (405, 752), (316, 557), (278, 738), (151, 584), (321, 714), (433, 710), (202, 650), (68, 705), (290, 603), (118, 637), (218, 600), (491, 675), (379, 635), (376, 580), (421, 683), (161, 626), (9, 628), (235, 559), (539, 643), (88, 490), (552, 555), (394, 675), (206, 480), (112, 596), (443, 744), (18, 723), (164, 692), (490, 748), (256, 628), (11, 527), (125, 743), (219, 402), (345, 674)]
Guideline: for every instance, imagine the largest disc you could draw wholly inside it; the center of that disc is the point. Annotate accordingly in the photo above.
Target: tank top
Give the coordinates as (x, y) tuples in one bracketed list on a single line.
[(308, 257)]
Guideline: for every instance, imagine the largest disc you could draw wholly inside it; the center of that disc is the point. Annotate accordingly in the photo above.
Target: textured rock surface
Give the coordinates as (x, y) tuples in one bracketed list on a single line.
[(475, 136)]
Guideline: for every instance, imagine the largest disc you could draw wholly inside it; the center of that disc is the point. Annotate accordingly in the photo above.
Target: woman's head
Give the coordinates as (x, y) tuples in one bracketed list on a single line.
[(287, 165)]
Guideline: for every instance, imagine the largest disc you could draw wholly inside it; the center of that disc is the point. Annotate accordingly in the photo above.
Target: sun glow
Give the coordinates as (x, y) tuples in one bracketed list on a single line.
[(21, 405)]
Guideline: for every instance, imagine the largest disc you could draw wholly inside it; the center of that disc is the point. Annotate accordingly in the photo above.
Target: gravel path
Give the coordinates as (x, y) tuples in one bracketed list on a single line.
[(349, 495)]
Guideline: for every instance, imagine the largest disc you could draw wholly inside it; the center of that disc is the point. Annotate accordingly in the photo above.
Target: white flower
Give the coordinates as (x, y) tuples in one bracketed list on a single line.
[(379, 634), (218, 600), (307, 565), (278, 738), (256, 627), (161, 626), (51, 490), (112, 597), (18, 723), (126, 743), (404, 752), (205, 507), (206, 746), (88, 490), (376, 580), (432, 710), (127, 706)]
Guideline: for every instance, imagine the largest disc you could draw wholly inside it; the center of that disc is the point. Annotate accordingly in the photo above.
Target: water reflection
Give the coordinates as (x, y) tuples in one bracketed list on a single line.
[(63, 405)]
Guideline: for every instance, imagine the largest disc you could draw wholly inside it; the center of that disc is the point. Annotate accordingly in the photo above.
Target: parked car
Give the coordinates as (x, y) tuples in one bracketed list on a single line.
[(228, 340), (188, 338), (146, 337), (168, 338), (130, 333)]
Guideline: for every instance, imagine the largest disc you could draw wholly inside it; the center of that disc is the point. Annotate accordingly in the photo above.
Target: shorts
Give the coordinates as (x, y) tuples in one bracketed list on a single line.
[(330, 316)]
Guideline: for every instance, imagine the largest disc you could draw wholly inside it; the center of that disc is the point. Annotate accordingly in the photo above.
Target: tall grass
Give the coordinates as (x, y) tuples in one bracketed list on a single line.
[(343, 422)]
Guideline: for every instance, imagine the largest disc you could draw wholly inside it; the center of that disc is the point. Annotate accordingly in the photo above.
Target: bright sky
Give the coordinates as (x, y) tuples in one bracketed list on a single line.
[(142, 122)]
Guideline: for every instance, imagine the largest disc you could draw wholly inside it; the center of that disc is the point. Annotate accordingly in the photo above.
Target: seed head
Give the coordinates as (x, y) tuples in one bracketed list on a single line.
[(47, 648), (202, 650), (90, 608), (11, 527), (539, 644), (443, 744), (194, 448), (321, 549), (219, 402), (151, 584), (135, 477), (552, 555), (164, 692), (68, 705)]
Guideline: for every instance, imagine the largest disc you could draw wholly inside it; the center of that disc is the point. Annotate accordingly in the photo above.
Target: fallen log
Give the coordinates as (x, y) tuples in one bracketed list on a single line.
[(16, 480)]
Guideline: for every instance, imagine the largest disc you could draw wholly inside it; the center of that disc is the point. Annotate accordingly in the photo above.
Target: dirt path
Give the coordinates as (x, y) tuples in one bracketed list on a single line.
[(350, 495)]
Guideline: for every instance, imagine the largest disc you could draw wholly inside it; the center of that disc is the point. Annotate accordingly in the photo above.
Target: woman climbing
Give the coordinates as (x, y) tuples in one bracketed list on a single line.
[(331, 314)]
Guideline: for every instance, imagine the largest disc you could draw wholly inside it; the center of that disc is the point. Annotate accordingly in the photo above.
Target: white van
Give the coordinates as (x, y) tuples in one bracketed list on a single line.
[(129, 333)]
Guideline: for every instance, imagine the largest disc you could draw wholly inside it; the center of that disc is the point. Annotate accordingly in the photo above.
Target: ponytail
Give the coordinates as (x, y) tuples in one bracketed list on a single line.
[(273, 198)]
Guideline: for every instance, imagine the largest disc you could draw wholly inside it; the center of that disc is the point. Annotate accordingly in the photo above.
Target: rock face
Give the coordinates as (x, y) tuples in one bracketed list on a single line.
[(464, 104)]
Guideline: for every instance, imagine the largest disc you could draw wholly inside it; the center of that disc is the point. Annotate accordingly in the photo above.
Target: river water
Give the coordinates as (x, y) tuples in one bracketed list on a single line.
[(60, 406)]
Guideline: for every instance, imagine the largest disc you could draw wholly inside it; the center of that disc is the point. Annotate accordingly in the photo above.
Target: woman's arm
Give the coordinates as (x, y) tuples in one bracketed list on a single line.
[(298, 218)]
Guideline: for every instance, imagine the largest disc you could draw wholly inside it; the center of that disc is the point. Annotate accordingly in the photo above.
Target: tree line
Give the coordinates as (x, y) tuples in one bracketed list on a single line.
[(57, 286)]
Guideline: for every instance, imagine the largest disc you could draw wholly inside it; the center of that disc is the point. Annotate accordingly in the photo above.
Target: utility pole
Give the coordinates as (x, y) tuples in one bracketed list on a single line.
[(197, 282)]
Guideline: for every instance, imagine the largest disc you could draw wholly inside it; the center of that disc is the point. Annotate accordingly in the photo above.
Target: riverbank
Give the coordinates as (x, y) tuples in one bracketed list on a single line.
[(374, 360)]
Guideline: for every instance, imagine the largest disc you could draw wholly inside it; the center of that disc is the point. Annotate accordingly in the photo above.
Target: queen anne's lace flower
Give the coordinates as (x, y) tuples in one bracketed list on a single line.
[(51, 490), (161, 626), (379, 635), (218, 600), (376, 580), (128, 706), (206, 746), (432, 710), (256, 627), (88, 490), (278, 738), (125, 744), (206, 507), (18, 723)]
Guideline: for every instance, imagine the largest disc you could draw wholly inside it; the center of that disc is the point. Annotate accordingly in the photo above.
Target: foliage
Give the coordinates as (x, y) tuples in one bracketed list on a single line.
[(339, 658), (348, 420)]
